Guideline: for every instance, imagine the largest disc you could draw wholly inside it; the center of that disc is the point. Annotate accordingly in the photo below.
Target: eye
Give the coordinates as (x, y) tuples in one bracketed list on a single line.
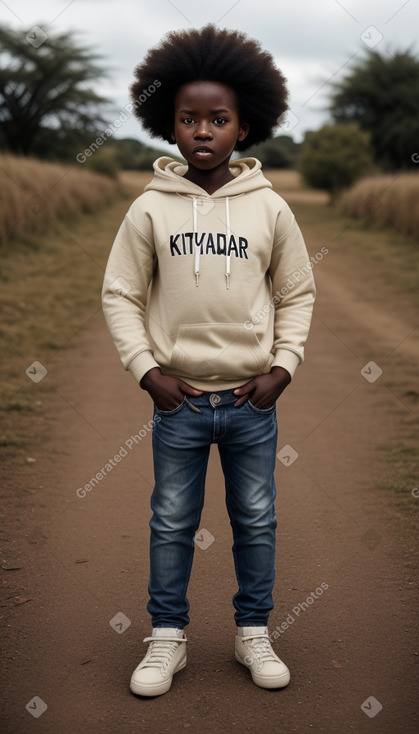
[(188, 120), (220, 120)]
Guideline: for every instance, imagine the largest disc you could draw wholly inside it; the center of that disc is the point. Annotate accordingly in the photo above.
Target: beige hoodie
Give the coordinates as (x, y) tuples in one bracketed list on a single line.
[(231, 287)]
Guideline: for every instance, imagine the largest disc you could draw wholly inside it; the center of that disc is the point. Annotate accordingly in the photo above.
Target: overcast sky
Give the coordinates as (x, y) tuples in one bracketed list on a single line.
[(313, 42)]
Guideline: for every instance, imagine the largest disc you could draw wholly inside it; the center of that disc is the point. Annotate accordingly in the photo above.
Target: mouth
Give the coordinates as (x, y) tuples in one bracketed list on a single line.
[(202, 151)]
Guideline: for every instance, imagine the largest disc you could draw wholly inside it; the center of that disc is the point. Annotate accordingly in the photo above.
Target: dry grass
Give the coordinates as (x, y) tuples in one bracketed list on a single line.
[(34, 193), (49, 292), (289, 185), (132, 183), (386, 200)]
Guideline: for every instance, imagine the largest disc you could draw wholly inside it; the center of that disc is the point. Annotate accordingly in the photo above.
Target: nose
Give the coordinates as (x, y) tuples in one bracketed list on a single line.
[(203, 131)]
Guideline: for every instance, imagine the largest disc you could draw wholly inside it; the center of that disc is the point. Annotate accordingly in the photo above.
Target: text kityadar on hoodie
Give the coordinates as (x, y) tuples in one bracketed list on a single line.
[(189, 271)]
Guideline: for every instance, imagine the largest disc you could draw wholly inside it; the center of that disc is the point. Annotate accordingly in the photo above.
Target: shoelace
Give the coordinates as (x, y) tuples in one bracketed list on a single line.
[(260, 647), (160, 651)]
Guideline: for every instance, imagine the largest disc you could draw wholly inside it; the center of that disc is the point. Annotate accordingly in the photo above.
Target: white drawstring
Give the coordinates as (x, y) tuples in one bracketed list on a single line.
[(197, 249), (228, 263)]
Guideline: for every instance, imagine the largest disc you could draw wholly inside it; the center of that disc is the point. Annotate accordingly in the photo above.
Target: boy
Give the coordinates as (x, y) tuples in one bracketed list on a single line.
[(218, 336)]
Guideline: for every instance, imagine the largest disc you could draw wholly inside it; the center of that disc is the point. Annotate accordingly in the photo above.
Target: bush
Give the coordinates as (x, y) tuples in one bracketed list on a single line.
[(334, 157), (280, 152)]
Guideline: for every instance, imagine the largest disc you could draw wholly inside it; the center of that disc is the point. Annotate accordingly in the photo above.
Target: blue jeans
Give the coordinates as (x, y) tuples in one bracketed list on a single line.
[(246, 438)]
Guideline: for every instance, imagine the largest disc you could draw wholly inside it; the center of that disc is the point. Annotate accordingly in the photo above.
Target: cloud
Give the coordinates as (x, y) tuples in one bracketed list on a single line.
[(311, 42)]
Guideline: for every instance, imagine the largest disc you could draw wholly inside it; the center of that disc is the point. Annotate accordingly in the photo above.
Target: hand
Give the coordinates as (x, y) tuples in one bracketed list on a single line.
[(264, 390), (167, 392)]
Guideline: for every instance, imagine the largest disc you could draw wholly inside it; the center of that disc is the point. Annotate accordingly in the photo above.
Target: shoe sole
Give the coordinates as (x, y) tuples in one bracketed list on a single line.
[(279, 682), (140, 689)]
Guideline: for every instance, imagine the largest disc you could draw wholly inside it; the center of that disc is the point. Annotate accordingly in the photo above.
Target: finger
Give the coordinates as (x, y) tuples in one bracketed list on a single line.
[(188, 389), (241, 400), (245, 389)]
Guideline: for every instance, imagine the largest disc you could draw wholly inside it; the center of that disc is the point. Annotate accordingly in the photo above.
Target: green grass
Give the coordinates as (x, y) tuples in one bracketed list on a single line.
[(400, 466), (402, 461)]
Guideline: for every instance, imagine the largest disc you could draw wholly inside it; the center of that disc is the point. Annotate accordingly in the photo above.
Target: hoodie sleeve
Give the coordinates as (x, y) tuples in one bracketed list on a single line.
[(293, 291), (124, 295)]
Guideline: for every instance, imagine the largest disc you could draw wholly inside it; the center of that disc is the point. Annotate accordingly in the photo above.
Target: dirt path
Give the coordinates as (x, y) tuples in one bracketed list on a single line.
[(344, 599)]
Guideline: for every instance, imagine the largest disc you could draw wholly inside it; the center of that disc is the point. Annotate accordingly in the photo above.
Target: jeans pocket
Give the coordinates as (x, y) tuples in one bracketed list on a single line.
[(170, 412), (262, 411)]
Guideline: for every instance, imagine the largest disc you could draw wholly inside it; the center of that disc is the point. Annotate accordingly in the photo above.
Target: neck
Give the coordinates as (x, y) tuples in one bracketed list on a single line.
[(211, 180)]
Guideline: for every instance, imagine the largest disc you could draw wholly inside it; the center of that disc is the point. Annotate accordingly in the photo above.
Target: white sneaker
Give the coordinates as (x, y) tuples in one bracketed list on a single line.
[(166, 655), (253, 649)]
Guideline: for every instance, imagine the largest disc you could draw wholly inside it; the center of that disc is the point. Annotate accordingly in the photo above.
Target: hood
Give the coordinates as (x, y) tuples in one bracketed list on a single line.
[(169, 178)]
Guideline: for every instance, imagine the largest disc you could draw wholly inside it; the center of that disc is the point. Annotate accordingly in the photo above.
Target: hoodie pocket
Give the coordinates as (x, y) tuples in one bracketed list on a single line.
[(218, 351)]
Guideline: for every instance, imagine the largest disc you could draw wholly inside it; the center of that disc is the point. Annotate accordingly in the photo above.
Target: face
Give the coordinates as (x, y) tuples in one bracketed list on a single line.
[(207, 125)]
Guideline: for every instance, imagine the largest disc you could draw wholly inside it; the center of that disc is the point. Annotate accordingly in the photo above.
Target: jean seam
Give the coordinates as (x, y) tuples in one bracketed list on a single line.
[(196, 526), (171, 412), (262, 411), (236, 432)]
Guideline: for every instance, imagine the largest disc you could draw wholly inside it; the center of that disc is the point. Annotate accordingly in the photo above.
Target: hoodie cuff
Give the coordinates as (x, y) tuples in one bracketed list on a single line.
[(141, 364), (286, 359)]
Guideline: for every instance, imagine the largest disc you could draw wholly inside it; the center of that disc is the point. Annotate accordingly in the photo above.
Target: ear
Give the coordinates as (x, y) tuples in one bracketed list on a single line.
[(173, 136), (243, 132)]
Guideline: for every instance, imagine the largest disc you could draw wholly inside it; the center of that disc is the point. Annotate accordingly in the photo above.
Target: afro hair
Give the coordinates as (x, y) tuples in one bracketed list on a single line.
[(210, 54)]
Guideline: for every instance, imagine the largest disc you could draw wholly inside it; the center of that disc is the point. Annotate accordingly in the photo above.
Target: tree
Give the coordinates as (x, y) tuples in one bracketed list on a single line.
[(333, 157), (381, 95), (46, 103)]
